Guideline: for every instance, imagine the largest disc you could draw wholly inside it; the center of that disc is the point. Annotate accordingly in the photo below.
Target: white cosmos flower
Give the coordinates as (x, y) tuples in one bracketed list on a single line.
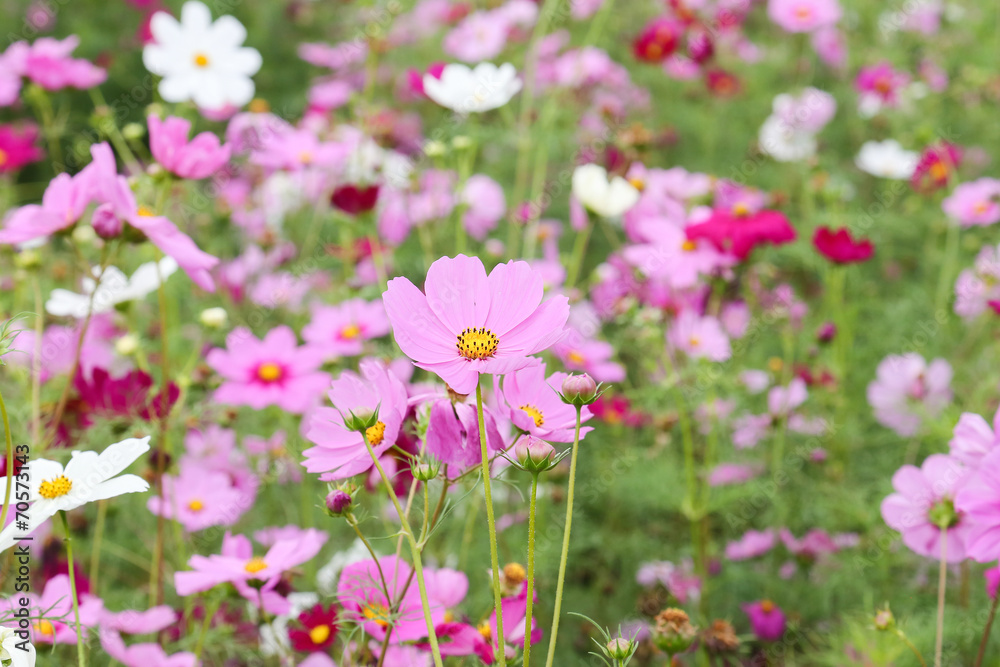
[(114, 288), (785, 143), (886, 159), (10, 652), (87, 477), (467, 90), (608, 199), (199, 60)]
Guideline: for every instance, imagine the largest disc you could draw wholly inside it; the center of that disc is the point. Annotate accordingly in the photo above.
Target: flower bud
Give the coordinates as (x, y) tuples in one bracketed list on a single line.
[(213, 318), (134, 131), (579, 390), (426, 471), (127, 345), (338, 502), (28, 259), (434, 148), (620, 648), (826, 332), (461, 142), (673, 632), (533, 454), (884, 620), (361, 421), (105, 222), (83, 234)]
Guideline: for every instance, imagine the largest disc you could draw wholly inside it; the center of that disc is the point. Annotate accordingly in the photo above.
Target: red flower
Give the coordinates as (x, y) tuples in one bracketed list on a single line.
[(130, 395), (739, 231), (17, 147), (936, 167), (318, 631), (840, 248), (352, 199), (721, 83), (657, 41)]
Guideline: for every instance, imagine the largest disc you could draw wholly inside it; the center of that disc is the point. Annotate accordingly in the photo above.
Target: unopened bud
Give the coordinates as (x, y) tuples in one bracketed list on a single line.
[(534, 454), (28, 259), (338, 502), (105, 222), (673, 632), (461, 142), (364, 420), (435, 148), (425, 472), (884, 620), (127, 345), (620, 648), (579, 390), (133, 131), (213, 318)]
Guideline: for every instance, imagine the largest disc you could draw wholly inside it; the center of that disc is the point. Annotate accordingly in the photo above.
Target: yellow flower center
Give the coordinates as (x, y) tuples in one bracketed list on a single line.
[(534, 413), (305, 157), (514, 574), (694, 341), (637, 183), (3, 157), (979, 208), (55, 488), (486, 631), (269, 372), (258, 105), (939, 171), (378, 613), (741, 210), (200, 60), (319, 634), (145, 212), (44, 627), (654, 50), (803, 13), (350, 332), (196, 505), (689, 246), (766, 606), (575, 357), (477, 343), (376, 433), (255, 565)]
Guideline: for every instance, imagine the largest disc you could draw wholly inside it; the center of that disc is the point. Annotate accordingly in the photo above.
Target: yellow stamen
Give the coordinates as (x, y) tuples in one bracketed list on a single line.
[(55, 488), (350, 332), (200, 60), (376, 434), (534, 413), (305, 157), (637, 183), (689, 246), (146, 212), (377, 613), (766, 606), (3, 157), (269, 372), (939, 171), (196, 505), (694, 341), (255, 565), (45, 628), (486, 631), (575, 357), (741, 210), (257, 105), (319, 634), (477, 343)]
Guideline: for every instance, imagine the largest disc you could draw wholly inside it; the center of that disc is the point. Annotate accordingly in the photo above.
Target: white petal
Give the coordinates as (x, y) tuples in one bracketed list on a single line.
[(196, 17), (119, 486), (228, 32), (177, 87)]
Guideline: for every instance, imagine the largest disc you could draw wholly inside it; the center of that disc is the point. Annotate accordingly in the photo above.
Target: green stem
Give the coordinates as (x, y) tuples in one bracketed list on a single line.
[(986, 631), (947, 268), (9, 462), (418, 565), (942, 585), (906, 640), (550, 659), (579, 252), (205, 625), (491, 522), (80, 653), (95, 549), (531, 568)]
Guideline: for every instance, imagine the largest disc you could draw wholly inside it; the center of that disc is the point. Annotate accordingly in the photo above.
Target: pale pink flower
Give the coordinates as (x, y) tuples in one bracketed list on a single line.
[(699, 337), (907, 390), (198, 158)]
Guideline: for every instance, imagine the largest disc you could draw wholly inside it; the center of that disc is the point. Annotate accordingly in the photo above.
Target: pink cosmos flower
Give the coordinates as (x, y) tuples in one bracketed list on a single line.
[(339, 452), (726, 474), (803, 15), (118, 205), (810, 546), (133, 622), (766, 619), (974, 438), (198, 498), (199, 158), (593, 357), (515, 624), (533, 404), (485, 205), (237, 565), (978, 501), (48, 63), (671, 257), (272, 371), (782, 400), (295, 149), (830, 46), (679, 580), (907, 389), (12, 62), (699, 337), (341, 330), (17, 147), (453, 435), (63, 203), (752, 544), (977, 287), (879, 86), (467, 323), (363, 598), (739, 231), (924, 501), (974, 203), (52, 618), (480, 36), (143, 655)]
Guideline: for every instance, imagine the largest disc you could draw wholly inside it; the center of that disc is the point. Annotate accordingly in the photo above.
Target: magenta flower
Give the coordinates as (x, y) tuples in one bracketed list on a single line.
[(974, 203), (907, 389), (48, 63), (199, 158), (272, 371), (341, 330), (533, 404), (453, 435), (979, 502), (340, 452), (17, 147), (198, 498), (766, 619), (467, 323), (515, 623), (363, 598), (923, 507), (63, 203), (699, 337), (294, 150)]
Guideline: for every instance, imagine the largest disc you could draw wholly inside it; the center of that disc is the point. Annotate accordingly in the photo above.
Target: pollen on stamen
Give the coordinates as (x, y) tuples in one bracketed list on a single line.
[(535, 414), (476, 343)]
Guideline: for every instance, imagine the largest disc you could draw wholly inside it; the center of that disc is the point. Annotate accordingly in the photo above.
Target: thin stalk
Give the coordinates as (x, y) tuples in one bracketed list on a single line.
[(550, 659), (81, 655), (942, 584), (986, 631), (418, 565), (491, 522), (36, 364), (947, 268), (579, 252), (95, 548), (9, 462), (531, 569)]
